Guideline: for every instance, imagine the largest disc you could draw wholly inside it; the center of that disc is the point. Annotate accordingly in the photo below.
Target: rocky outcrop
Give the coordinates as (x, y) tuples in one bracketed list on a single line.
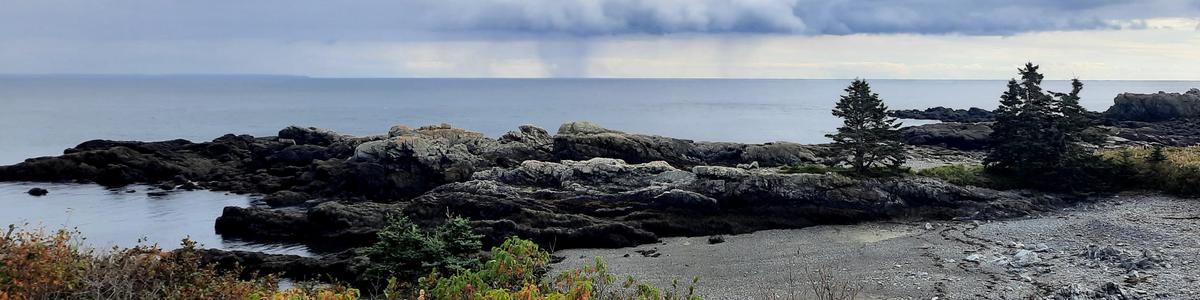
[(1155, 107), (609, 203), (584, 140), (972, 115), (346, 265), (1177, 132), (963, 136), (330, 225)]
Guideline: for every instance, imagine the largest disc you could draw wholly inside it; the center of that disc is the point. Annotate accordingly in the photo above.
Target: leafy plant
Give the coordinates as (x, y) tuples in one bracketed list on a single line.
[(1171, 169), (515, 272), (406, 251), (39, 265)]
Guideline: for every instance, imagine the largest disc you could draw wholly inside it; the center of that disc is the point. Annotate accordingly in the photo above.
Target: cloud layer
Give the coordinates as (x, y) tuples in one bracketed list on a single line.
[(425, 19), (811, 17)]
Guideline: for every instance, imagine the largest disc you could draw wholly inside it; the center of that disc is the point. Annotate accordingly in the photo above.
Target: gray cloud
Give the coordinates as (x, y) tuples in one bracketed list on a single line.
[(314, 20), (813, 17)]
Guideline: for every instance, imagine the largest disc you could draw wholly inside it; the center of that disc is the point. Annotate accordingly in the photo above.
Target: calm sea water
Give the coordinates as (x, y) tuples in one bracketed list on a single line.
[(41, 116)]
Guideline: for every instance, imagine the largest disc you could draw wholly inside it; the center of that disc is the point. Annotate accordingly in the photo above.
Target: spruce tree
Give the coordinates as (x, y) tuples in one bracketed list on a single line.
[(1038, 135), (868, 137)]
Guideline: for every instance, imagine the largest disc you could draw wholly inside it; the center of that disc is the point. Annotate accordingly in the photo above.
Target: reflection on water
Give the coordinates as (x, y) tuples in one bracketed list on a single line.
[(118, 217)]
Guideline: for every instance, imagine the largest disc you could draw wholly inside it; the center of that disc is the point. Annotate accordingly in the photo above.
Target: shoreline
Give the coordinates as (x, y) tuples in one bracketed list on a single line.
[(909, 259)]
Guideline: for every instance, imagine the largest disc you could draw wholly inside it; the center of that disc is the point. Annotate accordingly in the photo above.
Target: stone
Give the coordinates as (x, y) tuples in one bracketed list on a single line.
[(973, 258), (1025, 258), (38, 192)]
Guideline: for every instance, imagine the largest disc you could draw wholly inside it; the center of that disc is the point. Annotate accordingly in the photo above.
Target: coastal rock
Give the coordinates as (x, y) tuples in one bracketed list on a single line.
[(584, 140), (1160, 106), (1176, 132), (963, 136), (598, 173), (347, 265), (310, 136), (342, 225), (37, 192), (972, 115), (285, 198)]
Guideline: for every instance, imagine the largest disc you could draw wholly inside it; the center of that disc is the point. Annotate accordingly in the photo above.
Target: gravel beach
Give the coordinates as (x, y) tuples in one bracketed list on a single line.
[(1141, 246)]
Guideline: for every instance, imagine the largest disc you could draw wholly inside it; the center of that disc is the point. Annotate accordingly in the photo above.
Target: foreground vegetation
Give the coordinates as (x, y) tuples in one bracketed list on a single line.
[(1174, 170), (41, 265)]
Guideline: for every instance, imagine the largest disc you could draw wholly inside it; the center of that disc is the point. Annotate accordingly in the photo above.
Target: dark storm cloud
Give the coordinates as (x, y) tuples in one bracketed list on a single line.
[(406, 19)]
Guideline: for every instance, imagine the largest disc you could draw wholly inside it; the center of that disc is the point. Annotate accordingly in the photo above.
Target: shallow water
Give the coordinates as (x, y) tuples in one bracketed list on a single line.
[(114, 217)]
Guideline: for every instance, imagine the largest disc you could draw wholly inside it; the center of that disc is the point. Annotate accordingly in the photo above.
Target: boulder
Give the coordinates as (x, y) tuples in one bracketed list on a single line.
[(1156, 107), (962, 136), (38, 192), (310, 135)]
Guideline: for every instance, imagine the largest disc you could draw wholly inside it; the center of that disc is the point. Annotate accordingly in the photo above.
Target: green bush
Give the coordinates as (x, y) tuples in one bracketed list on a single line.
[(405, 251), (958, 174), (972, 175), (515, 271), (1172, 169)]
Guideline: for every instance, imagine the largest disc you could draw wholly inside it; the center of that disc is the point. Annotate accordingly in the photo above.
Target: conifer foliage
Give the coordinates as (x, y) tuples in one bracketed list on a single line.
[(1039, 135), (868, 137)]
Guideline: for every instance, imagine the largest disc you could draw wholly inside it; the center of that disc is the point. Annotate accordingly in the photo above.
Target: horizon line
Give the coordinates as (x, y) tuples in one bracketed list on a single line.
[(116, 75)]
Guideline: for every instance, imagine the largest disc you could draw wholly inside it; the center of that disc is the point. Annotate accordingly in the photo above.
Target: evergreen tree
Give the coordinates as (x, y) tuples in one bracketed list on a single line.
[(1157, 156), (868, 136), (1038, 135)]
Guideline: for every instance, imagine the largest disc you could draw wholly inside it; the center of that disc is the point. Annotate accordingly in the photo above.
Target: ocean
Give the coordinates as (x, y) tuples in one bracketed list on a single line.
[(42, 115)]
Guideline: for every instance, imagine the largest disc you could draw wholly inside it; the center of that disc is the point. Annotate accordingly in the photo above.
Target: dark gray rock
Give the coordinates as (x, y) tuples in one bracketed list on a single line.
[(963, 136), (972, 115), (286, 198), (584, 140), (1155, 107), (310, 136), (347, 265), (38, 192)]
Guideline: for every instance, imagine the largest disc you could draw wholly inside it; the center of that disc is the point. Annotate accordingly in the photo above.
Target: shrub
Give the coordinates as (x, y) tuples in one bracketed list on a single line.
[(957, 174), (37, 265), (972, 175), (405, 251), (515, 271), (1171, 169)]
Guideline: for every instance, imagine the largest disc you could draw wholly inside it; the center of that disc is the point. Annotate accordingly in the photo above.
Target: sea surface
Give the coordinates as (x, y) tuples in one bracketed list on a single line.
[(42, 115)]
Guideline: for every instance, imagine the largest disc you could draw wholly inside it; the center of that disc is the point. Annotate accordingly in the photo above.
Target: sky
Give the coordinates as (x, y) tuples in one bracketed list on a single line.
[(903, 39)]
